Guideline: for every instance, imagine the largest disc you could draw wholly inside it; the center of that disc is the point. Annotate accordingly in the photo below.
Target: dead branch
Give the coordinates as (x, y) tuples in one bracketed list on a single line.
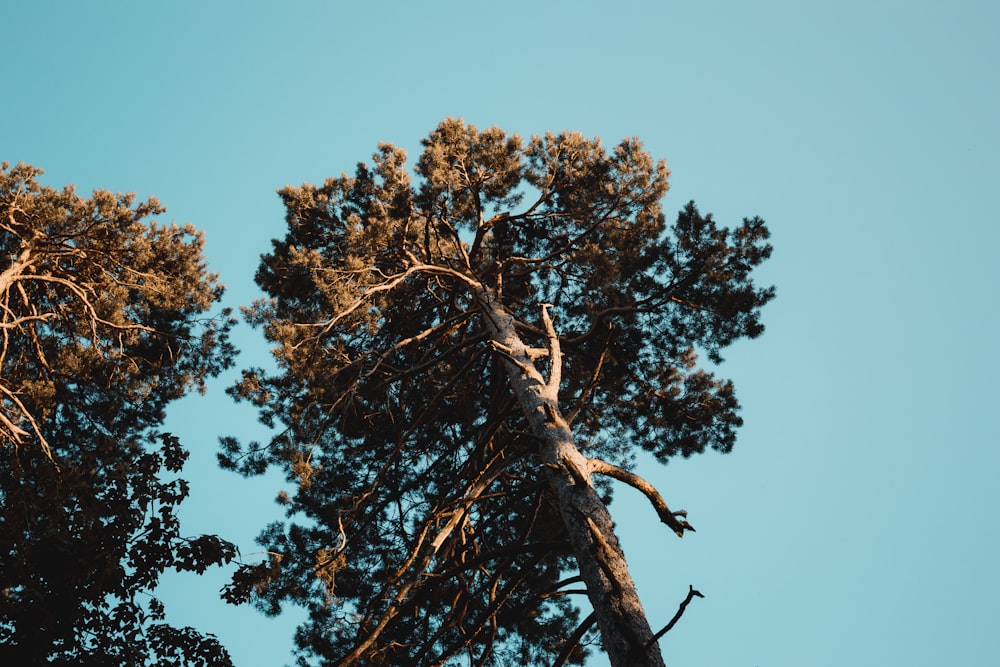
[(659, 504), (692, 593), (555, 353)]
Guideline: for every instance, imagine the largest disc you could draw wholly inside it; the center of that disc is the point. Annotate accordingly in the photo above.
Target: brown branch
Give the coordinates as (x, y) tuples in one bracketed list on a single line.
[(18, 321), (598, 319), (574, 639), (452, 322), (16, 432), (502, 552), (666, 515), (592, 383), (368, 293), (389, 284), (570, 242), (555, 354), (692, 593), (490, 612)]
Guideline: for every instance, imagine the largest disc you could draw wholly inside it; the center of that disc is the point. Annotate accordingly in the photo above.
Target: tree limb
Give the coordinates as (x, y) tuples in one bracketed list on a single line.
[(555, 354), (692, 593), (594, 377), (666, 515), (574, 639)]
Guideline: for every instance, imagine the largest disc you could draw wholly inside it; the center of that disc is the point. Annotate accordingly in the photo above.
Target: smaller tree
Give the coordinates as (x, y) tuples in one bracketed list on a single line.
[(104, 319)]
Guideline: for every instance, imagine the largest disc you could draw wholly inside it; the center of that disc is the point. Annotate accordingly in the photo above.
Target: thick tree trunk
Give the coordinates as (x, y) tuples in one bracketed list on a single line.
[(625, 632)]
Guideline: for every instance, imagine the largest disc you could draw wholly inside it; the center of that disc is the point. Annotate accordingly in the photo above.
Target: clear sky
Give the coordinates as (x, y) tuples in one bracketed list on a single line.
[(855, 521)]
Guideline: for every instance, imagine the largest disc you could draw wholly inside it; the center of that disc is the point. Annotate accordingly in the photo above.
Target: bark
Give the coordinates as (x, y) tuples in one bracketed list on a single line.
[(626, 634)]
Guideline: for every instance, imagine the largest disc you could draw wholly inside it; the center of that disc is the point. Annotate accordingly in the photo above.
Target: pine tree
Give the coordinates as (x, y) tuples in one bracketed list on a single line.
[(464, 363), (105, 320)]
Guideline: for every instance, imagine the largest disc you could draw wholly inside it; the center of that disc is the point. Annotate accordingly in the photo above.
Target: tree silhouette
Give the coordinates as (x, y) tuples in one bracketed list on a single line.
[(104, 320), (464, 364)]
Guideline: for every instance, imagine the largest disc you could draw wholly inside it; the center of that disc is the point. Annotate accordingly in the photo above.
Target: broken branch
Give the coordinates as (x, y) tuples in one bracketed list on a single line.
[(659, 504), (692, 593)]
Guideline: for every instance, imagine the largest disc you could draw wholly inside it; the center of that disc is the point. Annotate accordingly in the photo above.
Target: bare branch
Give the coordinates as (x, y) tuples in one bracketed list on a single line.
[(555, 353), (16, 432), (390, 283), (692, 593), (510, 355), (570, 242), (574, 639), (621, 474), (360, 301)]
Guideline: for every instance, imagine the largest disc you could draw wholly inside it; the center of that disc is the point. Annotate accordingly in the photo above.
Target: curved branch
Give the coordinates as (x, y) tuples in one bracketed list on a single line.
[(692, 593), (452, 321), (490, 612), (390, 283), (621, 474), (599, 319)]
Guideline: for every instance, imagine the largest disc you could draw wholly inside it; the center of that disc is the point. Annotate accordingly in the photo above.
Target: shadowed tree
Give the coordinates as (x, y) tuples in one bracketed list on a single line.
[(464, 363), (104, 319)]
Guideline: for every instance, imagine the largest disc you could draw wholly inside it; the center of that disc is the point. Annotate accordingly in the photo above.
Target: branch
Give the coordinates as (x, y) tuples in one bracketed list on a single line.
[(498, 601), (360, 301), (599, 318), (633, 480), (16, 432), (594, 376), (574, 639), (390, 283), (508, 354), (426, 333), (692, 593), (570, 242), (555, 354), (458, 239)]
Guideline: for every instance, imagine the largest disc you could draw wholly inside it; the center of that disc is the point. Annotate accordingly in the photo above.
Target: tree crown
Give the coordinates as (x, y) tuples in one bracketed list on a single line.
[(393, 404), (105, 320)]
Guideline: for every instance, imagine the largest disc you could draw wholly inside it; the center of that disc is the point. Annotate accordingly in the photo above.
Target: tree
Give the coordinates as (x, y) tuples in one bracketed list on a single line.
[(464, 365), (105, 320)]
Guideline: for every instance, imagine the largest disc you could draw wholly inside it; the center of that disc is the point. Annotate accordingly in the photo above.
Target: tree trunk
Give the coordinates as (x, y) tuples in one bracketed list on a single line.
[(624, 629)]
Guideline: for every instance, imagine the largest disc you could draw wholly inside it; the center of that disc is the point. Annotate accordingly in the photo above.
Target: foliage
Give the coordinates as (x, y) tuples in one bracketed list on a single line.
[(104, 320), (427, 524)]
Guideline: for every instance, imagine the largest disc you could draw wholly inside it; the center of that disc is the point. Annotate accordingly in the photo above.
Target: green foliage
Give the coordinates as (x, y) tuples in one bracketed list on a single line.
[(422, 528), (105, 321)]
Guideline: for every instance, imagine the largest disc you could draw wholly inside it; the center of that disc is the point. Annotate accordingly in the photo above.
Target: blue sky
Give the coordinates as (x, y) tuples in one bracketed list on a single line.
[(854, 523)]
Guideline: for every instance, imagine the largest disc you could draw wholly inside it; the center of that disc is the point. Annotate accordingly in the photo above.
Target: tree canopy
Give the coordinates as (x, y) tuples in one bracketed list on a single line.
[(105, 319), (465, 362)]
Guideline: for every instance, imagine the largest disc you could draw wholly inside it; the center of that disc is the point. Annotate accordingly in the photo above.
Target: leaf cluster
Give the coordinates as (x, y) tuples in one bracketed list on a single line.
[(84, 545), (101, 313)]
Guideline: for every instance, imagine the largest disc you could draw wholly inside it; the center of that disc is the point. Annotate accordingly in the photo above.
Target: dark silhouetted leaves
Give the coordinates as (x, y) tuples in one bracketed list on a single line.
[(105, 320)]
